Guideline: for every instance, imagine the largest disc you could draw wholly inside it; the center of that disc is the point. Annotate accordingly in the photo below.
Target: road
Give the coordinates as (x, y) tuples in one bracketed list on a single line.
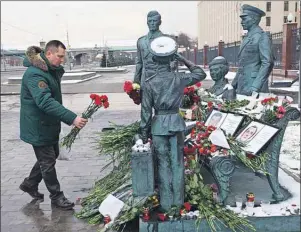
[(107, 83)]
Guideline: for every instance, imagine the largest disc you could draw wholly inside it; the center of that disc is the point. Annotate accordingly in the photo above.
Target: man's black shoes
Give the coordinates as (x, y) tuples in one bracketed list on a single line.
[(63, 203), (35, 194)]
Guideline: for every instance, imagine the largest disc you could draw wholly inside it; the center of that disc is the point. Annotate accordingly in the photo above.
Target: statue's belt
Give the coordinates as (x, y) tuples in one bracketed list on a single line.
[(164, 112)]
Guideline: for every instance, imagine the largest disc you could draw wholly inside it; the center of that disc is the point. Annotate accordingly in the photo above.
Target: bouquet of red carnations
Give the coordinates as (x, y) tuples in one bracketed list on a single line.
[(190, 95), (96, 103), (133, 90)]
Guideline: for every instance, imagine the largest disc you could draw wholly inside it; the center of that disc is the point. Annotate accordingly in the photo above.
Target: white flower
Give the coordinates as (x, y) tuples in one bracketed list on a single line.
[(136, 86)]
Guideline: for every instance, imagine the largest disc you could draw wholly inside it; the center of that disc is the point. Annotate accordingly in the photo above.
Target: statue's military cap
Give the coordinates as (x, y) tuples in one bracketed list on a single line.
[(251, 10), (218, 60)]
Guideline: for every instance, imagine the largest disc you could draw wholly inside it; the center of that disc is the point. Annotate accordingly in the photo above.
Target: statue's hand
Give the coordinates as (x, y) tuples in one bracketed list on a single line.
[(179, 57)]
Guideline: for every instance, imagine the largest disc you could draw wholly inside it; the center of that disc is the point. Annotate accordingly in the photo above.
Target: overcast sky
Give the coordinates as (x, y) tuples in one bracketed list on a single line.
[(89, 23)]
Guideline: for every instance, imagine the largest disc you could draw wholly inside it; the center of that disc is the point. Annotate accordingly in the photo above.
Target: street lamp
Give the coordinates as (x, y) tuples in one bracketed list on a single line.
[(290, 17)]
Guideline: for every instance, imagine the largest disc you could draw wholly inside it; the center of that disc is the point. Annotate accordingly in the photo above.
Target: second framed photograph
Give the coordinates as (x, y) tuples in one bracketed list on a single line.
[(255, 135)]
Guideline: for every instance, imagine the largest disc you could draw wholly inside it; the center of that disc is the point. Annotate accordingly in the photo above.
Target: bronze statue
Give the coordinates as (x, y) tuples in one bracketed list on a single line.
[(219, 67), (145, 66), (255, 55), (163, 92)]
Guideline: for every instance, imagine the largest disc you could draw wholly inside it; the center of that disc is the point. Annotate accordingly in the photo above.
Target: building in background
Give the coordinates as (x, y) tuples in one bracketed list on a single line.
[(219, 20)]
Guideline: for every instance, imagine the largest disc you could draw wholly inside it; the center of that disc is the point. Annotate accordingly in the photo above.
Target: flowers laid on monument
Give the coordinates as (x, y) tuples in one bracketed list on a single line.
[(133, 90), (203, 199), (190, 95), (275, 108), (97, 102)]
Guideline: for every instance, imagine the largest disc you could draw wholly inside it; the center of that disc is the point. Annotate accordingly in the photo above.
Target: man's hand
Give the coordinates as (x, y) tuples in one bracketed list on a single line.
[(179, 57), (80, 122)]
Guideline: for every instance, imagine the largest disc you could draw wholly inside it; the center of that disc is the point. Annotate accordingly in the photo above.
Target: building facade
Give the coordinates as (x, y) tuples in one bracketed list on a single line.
[(219, 20)]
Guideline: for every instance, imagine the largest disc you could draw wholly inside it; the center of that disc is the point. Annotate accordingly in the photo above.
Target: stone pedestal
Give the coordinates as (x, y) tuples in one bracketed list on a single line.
[(143, 182), (261, 224)]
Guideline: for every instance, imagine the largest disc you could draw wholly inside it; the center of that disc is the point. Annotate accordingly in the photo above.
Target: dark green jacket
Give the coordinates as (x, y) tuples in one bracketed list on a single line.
[(41, 101)]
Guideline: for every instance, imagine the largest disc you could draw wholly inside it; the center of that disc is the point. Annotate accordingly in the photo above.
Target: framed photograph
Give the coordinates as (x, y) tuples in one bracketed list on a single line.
[(256, 135), (227, 121)]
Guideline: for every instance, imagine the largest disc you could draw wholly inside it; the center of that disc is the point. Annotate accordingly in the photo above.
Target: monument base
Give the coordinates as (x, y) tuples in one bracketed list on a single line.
[(261, 224)]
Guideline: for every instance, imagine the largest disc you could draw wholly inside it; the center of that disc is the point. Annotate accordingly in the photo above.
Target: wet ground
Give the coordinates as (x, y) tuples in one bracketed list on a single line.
[(77, 176)]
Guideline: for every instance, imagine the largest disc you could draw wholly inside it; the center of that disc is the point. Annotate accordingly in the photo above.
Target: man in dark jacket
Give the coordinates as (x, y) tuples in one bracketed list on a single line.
[(40, 118)]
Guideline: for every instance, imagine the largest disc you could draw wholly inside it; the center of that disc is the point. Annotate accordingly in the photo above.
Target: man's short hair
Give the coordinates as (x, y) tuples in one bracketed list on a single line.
[(54, 44), (154, 13)]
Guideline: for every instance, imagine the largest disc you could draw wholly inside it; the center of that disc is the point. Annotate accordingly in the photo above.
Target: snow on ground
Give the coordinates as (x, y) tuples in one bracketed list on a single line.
[(290, 149)]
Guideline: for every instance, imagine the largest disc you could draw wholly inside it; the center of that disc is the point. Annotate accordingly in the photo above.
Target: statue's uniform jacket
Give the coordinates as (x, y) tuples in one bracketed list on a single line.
[(255, 63), (164, 92), (145, 66)]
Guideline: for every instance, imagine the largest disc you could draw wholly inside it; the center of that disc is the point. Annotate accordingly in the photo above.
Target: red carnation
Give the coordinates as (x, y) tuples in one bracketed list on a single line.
[(187, 206), (281, 109), (196, 99), (92, 96), (199, 84), (185, 90), (97, 100), (250, 156), (213, 148), (128, 86), (104, 98), (106, 104), (210, 104)]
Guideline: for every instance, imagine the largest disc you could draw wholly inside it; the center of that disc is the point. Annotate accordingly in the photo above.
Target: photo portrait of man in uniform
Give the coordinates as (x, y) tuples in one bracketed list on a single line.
[(215, 119), (248, 134)]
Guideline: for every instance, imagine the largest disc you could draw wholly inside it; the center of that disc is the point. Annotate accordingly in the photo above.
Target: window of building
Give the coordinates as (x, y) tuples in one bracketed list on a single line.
[(285, 5), (296, 6), (285, 19), (295, 19), (268, 21), (269, 6)]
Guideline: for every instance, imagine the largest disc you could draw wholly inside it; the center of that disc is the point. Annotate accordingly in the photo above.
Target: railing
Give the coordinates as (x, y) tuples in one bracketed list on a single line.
[(295, 55), (231, 53), (277, 39)]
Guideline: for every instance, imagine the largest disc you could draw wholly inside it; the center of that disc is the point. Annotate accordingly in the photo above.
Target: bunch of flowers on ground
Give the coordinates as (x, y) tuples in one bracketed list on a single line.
[(133, 90), (97, 102)]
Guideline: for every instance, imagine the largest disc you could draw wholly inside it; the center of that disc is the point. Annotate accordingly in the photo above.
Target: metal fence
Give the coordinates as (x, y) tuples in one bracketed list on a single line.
[(277, 48), (200, 57), (295, 57), (212, 53), (231, 52)]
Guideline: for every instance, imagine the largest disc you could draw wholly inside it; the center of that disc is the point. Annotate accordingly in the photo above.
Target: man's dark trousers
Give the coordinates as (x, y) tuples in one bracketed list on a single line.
[(44, 169)]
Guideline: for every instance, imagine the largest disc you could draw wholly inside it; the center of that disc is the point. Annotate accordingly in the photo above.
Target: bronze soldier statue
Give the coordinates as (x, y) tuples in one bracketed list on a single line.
[(145, 66), (163, 92), (255, 55)]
